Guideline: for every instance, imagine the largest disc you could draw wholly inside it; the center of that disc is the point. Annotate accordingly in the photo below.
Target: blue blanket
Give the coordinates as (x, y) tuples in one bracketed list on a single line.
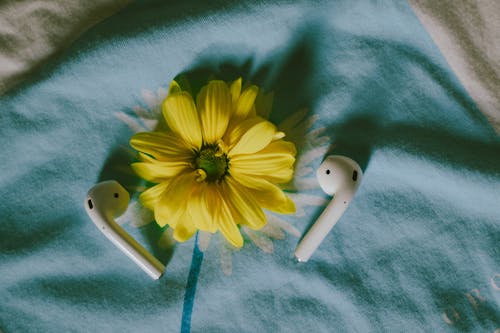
[(417, 250)]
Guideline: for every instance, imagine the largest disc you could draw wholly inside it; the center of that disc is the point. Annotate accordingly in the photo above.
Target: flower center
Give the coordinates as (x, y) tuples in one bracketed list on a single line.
[(211, 163)]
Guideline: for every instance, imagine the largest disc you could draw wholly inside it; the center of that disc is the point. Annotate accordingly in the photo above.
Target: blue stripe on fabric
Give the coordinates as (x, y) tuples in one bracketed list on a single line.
[(194, 272)]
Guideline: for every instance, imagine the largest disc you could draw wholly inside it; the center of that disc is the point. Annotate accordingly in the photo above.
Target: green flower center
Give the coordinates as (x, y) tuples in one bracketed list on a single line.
[(213, 163)]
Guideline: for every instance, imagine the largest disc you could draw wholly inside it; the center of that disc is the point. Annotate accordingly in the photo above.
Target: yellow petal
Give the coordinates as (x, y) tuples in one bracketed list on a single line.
[(273, 163), (255, 136), (235, 89), (240, 201), (172, 203), (215, 110), (149, 197), (156, 172), (246, 102), (182, 118), (146, 158), (226, 225), (163, 219), (174, 88), (200, 99), (185, 228), (204, 207), (235, 132), (268, 195), (278, 135), (280, 147), (163, 146)]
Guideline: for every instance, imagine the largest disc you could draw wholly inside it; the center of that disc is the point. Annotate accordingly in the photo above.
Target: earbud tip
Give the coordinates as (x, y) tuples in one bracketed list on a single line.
[(298, 260)]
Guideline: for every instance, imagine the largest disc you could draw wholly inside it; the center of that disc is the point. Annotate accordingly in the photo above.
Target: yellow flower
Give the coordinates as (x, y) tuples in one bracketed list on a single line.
[(217, 165)]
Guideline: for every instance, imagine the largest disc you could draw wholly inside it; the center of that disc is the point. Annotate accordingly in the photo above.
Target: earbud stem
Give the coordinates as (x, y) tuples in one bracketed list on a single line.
[(135, 251), (326, 221)]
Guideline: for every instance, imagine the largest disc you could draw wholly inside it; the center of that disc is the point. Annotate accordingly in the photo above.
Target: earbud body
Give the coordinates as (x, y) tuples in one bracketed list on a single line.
[(339, 176), (106, 201)]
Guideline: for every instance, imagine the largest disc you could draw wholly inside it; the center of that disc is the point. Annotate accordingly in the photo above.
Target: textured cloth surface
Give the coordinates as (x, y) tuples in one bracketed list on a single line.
[(467, 33), (33, 31), (416, 251)]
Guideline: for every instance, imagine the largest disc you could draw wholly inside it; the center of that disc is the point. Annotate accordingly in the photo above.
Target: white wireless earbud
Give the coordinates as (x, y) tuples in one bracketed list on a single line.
[(339, 176), (108, 200)]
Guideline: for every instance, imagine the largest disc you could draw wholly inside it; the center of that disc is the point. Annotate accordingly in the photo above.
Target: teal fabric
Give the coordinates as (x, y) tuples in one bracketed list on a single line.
[(417, 250)]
